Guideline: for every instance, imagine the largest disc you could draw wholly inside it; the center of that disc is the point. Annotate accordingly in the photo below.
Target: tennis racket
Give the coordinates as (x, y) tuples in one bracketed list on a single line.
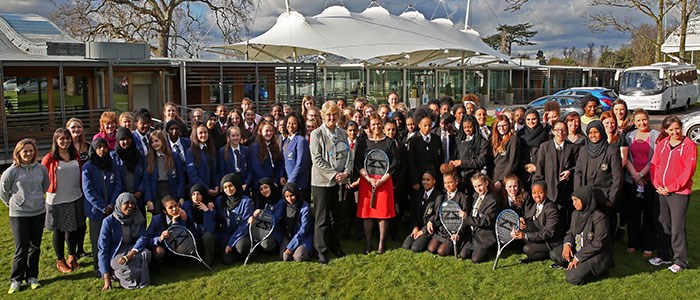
[(259, 230), (506, 222), (340, 158), (376, 164), (450, 219), (181, 242)]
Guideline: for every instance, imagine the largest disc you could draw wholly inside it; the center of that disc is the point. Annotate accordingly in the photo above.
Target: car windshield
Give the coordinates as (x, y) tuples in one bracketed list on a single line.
[(640, 80)]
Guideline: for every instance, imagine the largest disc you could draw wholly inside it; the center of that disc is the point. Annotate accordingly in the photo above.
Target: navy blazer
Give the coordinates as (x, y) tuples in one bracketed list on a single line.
[(138, 174), (304, 229), (110, 241), (95, 186), (159, 223), (201, 174), (297, 161), (264, 169), (234, 223), (185, 142), (176, 181), (209, 220), (229, 166), (138, 143)]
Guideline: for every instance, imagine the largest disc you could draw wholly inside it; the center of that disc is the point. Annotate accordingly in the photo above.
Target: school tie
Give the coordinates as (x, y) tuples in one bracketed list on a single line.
[(445, 146), (237, 156), (145, 144), (223, 127), (179, 152), (272, 162), (352, 145), (538, 210), (426, 139), (205, 148), (477, 204), (579, 241), (425, 198)]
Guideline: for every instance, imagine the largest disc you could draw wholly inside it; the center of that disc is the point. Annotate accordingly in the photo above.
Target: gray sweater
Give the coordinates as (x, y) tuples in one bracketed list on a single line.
[(22, 189), (322, 173)]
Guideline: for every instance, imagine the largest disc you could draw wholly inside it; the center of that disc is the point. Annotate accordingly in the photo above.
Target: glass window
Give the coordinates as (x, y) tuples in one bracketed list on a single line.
[(382, 82)]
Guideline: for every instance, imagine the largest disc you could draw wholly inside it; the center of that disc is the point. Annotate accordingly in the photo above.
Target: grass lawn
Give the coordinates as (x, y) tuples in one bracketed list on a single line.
[(398, 274)]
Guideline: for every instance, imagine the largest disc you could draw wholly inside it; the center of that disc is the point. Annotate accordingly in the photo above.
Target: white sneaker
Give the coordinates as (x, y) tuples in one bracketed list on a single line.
[(657, 261), (14, 287), (33, 283), (675, 268)]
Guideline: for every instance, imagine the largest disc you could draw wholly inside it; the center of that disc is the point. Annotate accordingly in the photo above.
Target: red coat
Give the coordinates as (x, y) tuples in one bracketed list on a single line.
[(674, 168)]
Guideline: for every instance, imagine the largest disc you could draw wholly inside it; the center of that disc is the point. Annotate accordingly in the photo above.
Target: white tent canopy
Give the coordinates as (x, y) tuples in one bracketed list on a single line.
[(692, 38), (374, 35)]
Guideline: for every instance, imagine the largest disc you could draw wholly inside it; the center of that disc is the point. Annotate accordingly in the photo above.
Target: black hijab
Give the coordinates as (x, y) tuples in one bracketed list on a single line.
[(401, 131), (197, 214), (274, 193), (235, 199), (533, 137), (596, 149), (130, 156), (292, 210), (587, 196), (102, 163)]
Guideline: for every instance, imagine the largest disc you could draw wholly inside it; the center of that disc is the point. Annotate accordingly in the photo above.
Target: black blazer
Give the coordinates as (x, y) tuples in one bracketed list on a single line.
[(451, 141), (462, 199), (484, 234), (548, 170), (423, 211), (507, 162), (606, 178), (597, 244), (422, 155), (545, 228), (473, 161)]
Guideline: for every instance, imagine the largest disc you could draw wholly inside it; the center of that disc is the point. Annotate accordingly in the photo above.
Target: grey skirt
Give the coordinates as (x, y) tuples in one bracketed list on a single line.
[(65, 217)]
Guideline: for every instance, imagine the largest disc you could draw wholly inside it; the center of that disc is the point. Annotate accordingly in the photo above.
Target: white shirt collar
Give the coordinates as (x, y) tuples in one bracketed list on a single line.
[(430, 191)]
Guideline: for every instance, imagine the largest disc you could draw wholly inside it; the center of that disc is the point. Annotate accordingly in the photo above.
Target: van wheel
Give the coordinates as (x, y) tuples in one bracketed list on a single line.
[(667, 109)]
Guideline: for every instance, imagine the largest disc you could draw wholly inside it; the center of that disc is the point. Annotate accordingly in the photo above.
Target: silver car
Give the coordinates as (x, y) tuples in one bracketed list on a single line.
[(567, 103), (691, 126)]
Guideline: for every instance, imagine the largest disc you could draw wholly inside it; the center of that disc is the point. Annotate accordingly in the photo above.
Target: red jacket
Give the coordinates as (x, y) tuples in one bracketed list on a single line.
[(674, 168), (51, 165)]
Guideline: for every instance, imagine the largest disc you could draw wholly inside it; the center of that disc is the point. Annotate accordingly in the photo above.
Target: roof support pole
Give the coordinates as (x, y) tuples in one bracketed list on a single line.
[(257, 87), (62, 92), (404, 93), (5, 140), (183, 87), (289, 88), (110, 86), (221, 83)]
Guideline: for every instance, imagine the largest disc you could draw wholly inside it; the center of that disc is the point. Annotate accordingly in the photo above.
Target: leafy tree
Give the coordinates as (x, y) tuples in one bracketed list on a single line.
[(519, 34)]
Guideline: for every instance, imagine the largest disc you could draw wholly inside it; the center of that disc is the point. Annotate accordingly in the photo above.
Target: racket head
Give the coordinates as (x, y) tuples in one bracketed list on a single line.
[(376, 162), (262, 227), (181, 241), (339, 155), (449, 216), (506, 221)]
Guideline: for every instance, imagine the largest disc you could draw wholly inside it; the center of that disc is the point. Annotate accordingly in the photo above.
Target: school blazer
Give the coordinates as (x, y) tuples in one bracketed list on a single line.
[(201, 174), (507, 162), (233, 224), (95, 186), (137, 141), (304, 229), (422, 155), (462, 199), (117, 162), (262, 169), (208, 220), (484, 234), (548, 168), (229, 166), (597, 244), (159, 223), (473, 162), (111, 239), (424, 211), (176, 181), (185, 142), (607, 178), (297, 162), (451, 142), (544, 229)]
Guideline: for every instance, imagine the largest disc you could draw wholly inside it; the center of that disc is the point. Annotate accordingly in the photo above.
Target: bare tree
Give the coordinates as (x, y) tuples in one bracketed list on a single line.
[(688, 7), (590, 54), (170, 27), (654, 9), (515, 5)]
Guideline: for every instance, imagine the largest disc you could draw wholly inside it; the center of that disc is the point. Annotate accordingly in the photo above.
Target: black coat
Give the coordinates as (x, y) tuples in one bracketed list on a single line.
[(484, 233), (597, 243), (423, 211), (545, 228), (507, 162), (422, 155), (549, 169), (606, 178), (473, 161)]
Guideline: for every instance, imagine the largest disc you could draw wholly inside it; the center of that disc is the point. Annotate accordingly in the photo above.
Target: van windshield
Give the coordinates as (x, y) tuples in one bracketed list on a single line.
[(646, 81)]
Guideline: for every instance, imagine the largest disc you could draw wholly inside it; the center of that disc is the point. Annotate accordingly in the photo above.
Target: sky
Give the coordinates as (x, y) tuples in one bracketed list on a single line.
[(560, 23)]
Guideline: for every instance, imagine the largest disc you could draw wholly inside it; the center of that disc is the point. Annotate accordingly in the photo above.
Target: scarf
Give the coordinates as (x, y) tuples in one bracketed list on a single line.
[(102, 163), (130, 156), (292, 210), (131, 224), (197, 214), (596, 149), (233, 200), (534, 136), (583, 217)]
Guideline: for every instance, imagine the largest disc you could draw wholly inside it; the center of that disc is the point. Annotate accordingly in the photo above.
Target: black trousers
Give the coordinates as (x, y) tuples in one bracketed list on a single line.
[(536, 251), (584, 272), (642, 217), (326, 213), (418, 245), (672, 239), (95, 227), (27, 233)]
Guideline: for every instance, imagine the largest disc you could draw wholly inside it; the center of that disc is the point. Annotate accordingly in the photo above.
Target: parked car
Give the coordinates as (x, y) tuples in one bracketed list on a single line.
[(9, 85), (605, 95), (568, 104), (31, 86), (691, 126)]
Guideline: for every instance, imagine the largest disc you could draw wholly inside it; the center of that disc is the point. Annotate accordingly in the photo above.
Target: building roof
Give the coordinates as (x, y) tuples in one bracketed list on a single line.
[(692, 39), (373, 36)]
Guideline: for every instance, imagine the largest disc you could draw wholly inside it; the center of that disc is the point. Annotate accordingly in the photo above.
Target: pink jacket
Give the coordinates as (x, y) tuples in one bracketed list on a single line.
[(674, 168)]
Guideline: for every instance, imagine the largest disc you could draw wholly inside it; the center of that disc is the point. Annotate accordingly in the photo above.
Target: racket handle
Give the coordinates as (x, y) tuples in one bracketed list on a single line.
[(454, 243), (495, 263), (372, 200)]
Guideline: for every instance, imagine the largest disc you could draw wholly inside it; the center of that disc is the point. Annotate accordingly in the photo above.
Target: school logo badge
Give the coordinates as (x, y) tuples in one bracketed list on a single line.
[(604, 167)]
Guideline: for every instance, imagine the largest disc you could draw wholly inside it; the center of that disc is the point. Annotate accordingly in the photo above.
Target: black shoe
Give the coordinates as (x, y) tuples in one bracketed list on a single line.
[(619, 234), (322, 259), (339, 253), (367, 251), (525, 261), (557, 266)]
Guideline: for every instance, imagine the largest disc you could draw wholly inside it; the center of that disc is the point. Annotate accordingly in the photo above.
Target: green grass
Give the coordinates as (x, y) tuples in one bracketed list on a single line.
[(398, 274)]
